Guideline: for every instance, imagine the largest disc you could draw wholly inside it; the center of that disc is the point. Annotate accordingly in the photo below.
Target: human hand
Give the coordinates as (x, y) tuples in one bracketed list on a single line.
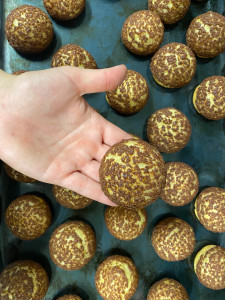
[(50, 133)]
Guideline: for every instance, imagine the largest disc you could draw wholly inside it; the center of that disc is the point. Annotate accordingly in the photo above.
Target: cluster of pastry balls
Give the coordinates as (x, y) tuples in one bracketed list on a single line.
[(29, 30)]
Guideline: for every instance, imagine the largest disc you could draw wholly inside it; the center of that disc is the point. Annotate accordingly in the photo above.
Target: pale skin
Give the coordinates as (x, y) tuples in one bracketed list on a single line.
[(50, 133)]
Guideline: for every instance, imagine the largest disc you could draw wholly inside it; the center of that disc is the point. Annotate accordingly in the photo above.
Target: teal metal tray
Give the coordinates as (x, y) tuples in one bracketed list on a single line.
[(98, 31)]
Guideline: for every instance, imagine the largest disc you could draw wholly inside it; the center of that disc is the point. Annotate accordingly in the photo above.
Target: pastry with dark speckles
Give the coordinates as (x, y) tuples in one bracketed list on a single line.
[(209, 98), (116, 278), (16, 175), (69, 198), (206, 35), (132, 173), (169, 11), (63, 10), (23, 280), (131, 95), (181, 184), (72, 245), (168, 289), (210, 209), (173, 239), (69, 297), (169, 130), (28, 29), (125, 223), (173, 65), (28, 217), (142, 32), (75, 56), (209, 266)]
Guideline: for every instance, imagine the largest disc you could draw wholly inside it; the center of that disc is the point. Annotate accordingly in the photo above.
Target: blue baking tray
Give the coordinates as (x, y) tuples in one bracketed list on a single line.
[(97, 30)]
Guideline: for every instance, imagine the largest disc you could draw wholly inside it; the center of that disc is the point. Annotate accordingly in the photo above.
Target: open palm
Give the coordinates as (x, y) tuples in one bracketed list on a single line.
[(49, 132)]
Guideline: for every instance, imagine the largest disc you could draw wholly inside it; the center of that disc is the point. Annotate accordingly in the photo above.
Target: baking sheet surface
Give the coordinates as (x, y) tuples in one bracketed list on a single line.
[(98, 31)]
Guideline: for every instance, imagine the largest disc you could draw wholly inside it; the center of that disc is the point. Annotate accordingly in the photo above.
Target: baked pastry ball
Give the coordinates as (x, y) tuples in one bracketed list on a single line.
[(169, 130), (63, 10), (132, 173), (16, 175), (69, 297), (209, 266), (69, 198), (73, 55), (72, 245), (173, 239), (131, 95), (169, 289), (116, 278), (173, 65), (28, 29), (28, 217), (23, 279), (169, 11), (125, 223), (206, 35), (142, 32), (209, 98), (210, 208), (181, 184)]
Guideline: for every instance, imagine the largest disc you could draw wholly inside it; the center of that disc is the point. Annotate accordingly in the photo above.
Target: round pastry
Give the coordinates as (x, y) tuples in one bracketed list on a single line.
[(209, 266), (125, 223), (63, 10), (23, 279), (116, 278), (169, 130), (169, 11), (28, 217), (169, 289), (210, 208), (69, 297), (19, 72), (131, 95), (173, 65), (132, 173), (12, 173), (69, 198), (73, 55), (209, 98), (28, 29), (72, 245), (142, 32), (173, 239), (181, 184), (206, 35)]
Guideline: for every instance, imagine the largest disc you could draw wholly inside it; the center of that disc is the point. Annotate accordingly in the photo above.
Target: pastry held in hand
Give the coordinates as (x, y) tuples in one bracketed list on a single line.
[(132, 173)]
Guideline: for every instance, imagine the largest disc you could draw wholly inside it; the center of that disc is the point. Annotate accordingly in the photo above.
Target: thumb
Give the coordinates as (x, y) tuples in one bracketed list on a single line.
[(94, 81)]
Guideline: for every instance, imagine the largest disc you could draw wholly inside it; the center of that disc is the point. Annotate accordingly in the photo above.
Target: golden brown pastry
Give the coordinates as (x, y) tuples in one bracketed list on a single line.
[(23, 279), (72, 245), (173, 239), (131, 95), (169, 130), (206, 35), (142, 32), (169, 11), (28, 29), (16, 175), (116, 278), (173, 65), (28, 217), (132, 173)]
